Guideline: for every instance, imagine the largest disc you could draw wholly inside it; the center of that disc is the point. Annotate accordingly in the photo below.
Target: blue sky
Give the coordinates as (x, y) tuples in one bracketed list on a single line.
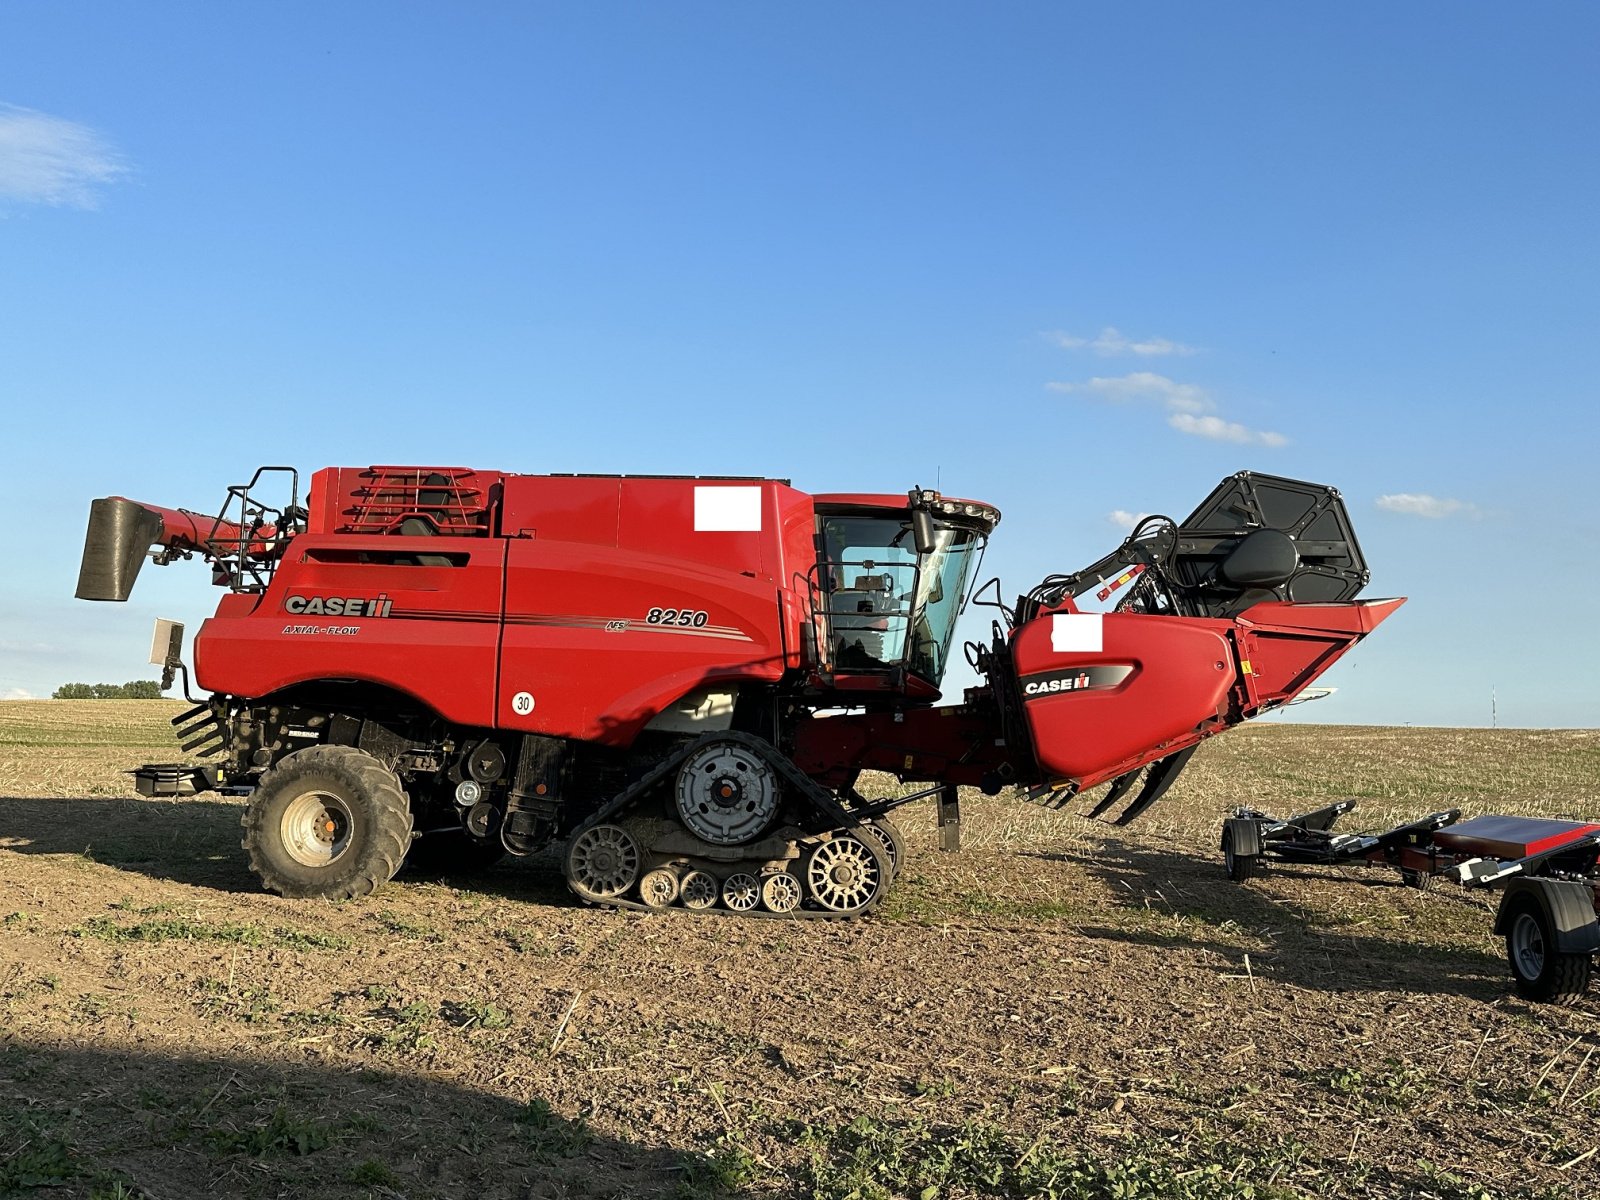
[(1079, 261)]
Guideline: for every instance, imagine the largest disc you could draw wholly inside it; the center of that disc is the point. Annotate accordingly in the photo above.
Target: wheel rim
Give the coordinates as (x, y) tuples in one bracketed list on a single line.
[(698, 890), (1527, 946), (780, 893), (603, 861), (316, 828), (842, 874), (659, 887), (726, 795), (741, 892)]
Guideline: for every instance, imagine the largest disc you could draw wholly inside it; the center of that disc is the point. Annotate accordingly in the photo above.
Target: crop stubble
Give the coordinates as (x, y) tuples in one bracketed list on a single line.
[(1059, 995)]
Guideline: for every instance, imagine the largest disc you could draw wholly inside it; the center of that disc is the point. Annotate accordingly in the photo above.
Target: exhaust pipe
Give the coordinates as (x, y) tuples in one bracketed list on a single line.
[(119, 537)]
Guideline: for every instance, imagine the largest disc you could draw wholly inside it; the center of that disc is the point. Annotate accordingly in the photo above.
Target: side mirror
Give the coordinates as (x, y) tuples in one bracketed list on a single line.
[(923, 530)]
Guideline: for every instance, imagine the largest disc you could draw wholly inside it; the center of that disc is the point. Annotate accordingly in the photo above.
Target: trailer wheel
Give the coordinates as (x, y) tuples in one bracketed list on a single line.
[(1239, 866), (1421, 880), (1541, 971), (327, 822)]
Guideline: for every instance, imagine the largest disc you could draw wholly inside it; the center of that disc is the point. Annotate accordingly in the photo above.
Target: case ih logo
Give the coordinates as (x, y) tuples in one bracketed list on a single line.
[(336, 606), (1084, 679)]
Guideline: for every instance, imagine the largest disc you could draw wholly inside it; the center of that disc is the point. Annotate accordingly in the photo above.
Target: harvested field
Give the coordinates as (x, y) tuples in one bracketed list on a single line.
[(1061, 1010)]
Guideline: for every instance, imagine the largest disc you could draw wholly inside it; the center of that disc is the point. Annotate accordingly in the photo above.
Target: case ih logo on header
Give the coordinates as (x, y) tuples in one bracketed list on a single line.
[(336, 606), (1081, 679)]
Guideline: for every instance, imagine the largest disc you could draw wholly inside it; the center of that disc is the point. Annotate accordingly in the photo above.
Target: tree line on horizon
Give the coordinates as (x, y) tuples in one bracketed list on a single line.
[(134, 689)]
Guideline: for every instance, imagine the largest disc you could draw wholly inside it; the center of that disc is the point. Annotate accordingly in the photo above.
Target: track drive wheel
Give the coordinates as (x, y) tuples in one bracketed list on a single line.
[(327, 822), (602, 863), (1541, 972), (1239, 866)]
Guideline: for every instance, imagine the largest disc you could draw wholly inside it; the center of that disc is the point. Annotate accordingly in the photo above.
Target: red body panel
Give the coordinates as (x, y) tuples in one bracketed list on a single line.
[(1181, 678), (600, 601), (951, 743), (1287, 645), (1510, 838), (437, 642), (1179, 672)]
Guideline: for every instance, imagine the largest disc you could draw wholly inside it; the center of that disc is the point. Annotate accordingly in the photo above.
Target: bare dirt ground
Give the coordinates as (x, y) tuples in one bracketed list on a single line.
[(1061, 1010)]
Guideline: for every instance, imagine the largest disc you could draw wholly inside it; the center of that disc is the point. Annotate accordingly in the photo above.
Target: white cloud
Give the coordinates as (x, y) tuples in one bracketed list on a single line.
[(1143, 385), (1125, 520), (1185, 404), (50, 160), (1419, 504), (1219, 430), (1110, 343), (17, 694)]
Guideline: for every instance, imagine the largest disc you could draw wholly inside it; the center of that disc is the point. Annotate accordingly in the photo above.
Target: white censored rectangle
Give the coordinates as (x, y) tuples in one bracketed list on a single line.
[(727, 510), (1075, 633)]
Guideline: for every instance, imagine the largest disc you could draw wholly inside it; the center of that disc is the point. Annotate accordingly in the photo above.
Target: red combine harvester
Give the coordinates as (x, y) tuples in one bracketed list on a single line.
[(683, 678)]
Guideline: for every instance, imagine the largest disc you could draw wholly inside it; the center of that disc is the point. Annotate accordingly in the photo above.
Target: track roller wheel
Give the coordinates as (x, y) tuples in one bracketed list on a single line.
[(1240, 867), (329, 822), (780, 892), (698, 891), (1542, 972), (659, 887), (741, 892), (602, 862), (843, 875)]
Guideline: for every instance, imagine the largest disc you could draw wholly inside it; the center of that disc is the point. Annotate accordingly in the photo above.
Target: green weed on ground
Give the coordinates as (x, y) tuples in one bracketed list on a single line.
[(185, 929), (873, 1159)]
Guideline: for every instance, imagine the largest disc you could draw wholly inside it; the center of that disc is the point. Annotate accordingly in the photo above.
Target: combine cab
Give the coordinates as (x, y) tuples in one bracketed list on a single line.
[(682, 679)]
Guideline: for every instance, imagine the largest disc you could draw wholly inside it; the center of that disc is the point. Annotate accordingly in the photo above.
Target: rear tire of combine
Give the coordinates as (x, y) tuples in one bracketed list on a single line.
[(1240, 867), (1541, 972), (327, 822)]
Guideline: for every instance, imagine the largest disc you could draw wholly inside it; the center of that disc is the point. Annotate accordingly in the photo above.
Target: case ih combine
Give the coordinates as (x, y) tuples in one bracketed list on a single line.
[(682, 679)]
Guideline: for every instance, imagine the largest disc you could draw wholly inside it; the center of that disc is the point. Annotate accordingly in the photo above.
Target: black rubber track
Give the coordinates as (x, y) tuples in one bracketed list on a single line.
[(839, 819)]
